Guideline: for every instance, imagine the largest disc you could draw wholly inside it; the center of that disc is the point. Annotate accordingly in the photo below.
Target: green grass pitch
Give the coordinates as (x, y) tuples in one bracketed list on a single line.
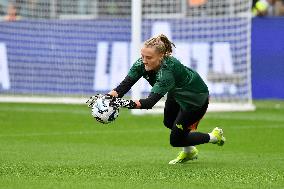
[(62, 146)]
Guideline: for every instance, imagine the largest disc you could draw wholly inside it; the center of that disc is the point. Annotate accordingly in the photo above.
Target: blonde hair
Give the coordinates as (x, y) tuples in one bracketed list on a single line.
[(161, 43)]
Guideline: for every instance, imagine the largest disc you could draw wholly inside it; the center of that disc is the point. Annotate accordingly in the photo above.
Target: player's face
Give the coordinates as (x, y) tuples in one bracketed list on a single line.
[(151, 58)]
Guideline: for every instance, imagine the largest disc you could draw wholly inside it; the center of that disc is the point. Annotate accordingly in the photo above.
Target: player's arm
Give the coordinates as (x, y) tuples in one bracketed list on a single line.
[(147, 103), (160, 88), (134, 74), (123, 87), (150, 101)]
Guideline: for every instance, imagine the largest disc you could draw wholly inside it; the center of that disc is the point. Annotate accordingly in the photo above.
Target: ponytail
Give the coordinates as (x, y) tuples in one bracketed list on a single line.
[(161, 43)]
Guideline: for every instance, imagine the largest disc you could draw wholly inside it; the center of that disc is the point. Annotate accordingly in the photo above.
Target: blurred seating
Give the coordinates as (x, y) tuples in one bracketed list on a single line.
[(268, 8)]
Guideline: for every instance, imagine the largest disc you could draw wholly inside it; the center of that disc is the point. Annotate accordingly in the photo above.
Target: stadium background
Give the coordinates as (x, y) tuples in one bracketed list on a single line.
[(70, 43), (267, 69)]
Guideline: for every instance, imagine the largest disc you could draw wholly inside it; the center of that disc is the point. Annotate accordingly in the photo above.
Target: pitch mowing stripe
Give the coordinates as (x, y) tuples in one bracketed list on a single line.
[(83, 133), (122, 131), (271, 117), (45, 110), (248, 127)]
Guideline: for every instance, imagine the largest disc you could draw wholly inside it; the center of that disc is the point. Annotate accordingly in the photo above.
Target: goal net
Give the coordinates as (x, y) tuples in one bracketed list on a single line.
[(212, 37), (64, 51)]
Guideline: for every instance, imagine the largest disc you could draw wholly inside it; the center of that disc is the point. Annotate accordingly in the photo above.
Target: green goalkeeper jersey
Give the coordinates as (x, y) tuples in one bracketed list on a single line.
[(180, 82)]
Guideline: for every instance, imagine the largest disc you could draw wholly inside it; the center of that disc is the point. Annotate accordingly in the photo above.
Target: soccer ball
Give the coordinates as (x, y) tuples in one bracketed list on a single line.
[(103, 112)]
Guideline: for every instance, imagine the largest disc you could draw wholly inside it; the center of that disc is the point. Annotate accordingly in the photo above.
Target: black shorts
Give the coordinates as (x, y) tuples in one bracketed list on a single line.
[(174, 115)]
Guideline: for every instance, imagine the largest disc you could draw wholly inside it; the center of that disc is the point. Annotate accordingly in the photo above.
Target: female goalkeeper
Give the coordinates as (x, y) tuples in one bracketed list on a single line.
[(187, 96)]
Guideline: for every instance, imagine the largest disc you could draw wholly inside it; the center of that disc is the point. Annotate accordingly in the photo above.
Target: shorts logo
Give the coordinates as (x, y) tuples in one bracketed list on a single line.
[(179, 126)]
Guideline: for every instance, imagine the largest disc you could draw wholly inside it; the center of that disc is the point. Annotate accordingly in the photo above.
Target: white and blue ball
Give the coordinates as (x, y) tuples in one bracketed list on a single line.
[(103, 112)]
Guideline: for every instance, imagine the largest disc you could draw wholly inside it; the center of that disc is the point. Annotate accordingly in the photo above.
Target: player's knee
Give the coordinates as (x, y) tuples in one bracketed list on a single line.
[(174, 143), (168, 124)]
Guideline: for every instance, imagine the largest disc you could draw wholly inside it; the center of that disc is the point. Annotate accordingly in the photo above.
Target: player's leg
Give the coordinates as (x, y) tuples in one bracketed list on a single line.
[(171, 111), (184, 156), (181, 134), (186, 122)]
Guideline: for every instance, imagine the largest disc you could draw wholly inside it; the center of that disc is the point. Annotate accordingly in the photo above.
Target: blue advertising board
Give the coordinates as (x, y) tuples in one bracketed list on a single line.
[(268, 58)]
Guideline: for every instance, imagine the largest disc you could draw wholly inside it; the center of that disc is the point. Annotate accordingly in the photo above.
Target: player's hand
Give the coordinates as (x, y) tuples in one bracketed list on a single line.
[(109, 97), (94, 98)]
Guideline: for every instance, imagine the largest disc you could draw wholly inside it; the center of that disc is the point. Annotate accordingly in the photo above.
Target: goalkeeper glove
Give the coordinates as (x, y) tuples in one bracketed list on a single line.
[(93, 99), (120, 102), (114, 101)]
